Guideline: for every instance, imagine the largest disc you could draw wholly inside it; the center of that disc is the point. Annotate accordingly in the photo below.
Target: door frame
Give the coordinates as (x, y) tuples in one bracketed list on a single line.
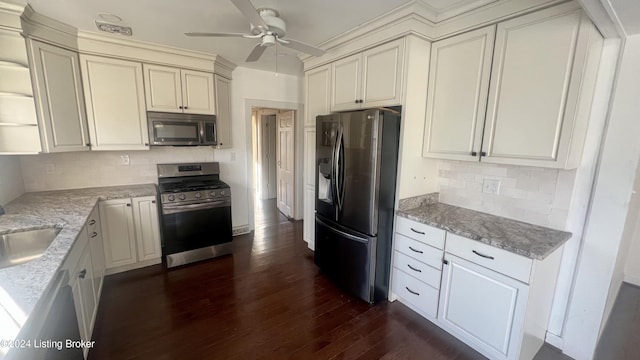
[(249, 105)]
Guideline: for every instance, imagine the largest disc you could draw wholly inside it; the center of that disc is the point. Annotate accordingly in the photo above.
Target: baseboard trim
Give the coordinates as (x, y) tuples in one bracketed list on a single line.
[(632, 279), (239, 230), (137, 265), (554, 340)]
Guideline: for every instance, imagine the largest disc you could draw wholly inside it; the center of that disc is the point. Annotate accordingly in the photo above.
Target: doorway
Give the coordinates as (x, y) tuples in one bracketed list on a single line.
[(273, 165)]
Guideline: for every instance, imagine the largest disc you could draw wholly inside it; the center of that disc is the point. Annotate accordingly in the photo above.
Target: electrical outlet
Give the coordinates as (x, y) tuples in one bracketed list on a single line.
[(124, 160), (50, 169), (491, 186)]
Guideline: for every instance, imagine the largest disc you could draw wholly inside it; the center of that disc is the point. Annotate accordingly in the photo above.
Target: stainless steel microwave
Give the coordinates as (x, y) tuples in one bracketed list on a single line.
[(179, 129)]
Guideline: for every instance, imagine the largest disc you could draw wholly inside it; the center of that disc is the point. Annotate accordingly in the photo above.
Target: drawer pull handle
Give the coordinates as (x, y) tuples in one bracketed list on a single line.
[(82, 274), (414, 250), (94, 234), (417, 232), (92, 222), (483, 255), (411, 291), (414, 269)]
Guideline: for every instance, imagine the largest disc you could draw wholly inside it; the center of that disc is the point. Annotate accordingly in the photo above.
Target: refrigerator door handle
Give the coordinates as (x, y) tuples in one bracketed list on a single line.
[(342, 233), (337, 166)]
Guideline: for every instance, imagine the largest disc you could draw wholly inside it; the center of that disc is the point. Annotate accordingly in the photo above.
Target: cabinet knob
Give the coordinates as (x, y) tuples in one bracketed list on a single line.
[(94, 234), (473, 153), (128, 204), (146, 144), (82, 274), (87, 144), (153, 201), (92, 222), (186, 107), (482, 153), (180, 107)]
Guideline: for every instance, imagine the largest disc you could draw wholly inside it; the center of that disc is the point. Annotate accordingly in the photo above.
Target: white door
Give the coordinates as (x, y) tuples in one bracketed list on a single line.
[(268, 161), (382, 75), (116, 110), (60, 99), (346, 82), (483, 308), (197, 92), (223, 111), (457, 95), (145, 219), (118, 232), (285, 155), (530, 83), (162, 88)]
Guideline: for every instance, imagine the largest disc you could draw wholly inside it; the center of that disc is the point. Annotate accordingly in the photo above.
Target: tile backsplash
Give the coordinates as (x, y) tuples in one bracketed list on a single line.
[(534, 195), (11, 184), (97, 168)]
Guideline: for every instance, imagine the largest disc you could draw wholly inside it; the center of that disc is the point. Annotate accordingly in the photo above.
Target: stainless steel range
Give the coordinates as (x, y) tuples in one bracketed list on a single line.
[(196, 212)]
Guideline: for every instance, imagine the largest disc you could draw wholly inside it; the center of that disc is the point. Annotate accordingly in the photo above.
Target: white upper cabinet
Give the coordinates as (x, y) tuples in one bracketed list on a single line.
[(317, 94), (541, 85), (368, 79), (59, 98), (171, 89), (457, 95), (114, 95), (536, 83), (223, 108)]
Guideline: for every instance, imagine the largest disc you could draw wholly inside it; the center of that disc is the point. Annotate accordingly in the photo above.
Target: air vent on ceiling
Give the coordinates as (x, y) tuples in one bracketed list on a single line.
[(114, 29)]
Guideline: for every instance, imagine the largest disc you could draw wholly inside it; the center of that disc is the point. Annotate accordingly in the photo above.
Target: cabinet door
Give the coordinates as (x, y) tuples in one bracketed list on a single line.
[(308, 233), (492, 322), (317, 94), (114, 95), (97, 250), (457, 95), (382, 75), (118, 232), (197, 92), (223, 110), (162, 88), (59, 98), (145, 218), (345, 83), (81, 283), (530, 84)]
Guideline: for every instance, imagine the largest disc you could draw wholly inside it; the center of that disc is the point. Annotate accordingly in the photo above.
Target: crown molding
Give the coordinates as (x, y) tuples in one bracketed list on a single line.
[(46, 29), (10, 15)]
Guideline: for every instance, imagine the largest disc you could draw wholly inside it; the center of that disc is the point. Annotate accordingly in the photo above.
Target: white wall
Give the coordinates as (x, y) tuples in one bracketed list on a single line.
[(534, 195), (609, 207), (632, 235), (103, 168), (250, 86), (11, 184)]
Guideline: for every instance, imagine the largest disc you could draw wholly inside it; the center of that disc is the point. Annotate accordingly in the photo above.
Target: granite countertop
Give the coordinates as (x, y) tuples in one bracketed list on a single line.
[(532, 241), (22, 286)]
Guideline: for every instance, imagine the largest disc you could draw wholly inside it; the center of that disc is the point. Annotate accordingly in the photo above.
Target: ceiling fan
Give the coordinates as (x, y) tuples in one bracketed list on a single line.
[(266, 26)]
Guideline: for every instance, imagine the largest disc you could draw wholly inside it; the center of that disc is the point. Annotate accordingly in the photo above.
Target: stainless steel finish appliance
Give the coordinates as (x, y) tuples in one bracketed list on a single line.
[(356, 162), (196, 212), (181, 129)]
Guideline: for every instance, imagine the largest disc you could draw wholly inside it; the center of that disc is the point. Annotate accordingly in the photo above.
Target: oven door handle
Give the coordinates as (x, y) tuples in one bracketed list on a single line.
[(167, 210)]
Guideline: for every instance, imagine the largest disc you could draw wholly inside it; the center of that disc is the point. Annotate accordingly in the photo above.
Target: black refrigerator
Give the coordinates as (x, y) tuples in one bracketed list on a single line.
[(356, 162)]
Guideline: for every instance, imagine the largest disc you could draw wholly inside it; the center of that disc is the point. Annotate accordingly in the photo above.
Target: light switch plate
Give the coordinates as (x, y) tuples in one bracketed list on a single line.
[(491, 186)]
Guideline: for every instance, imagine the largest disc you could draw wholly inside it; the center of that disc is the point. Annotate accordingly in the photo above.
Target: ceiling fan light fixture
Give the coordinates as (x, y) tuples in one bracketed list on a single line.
[(268, 40)]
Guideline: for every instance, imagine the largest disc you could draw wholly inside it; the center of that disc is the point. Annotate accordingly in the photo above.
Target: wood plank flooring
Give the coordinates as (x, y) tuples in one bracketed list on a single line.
[(266, 301)]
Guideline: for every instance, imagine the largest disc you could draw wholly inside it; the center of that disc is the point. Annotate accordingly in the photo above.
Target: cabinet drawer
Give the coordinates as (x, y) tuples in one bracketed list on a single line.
[(421, 232), (419, 251), (421, 271), (502, 261), (416, 294)]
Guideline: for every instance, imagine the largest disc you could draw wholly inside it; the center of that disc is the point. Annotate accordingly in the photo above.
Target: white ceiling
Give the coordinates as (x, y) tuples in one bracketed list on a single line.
[(165, 21)]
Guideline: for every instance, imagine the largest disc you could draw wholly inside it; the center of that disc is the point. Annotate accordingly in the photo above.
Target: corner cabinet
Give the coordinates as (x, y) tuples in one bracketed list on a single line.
[(172, 89), (59, 98), (372, 78), (114, 96), (222, 88), (542, 70)]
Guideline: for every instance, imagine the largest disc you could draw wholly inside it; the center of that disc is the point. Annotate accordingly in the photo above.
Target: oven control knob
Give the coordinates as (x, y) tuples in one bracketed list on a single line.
[(212, 194), (171, 197), (198, 195), (222, 192), (181, 197)]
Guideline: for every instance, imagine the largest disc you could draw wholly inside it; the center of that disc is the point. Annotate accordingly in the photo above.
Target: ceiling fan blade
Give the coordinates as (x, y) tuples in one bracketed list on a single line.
[(300, 46), (256, 53), (250, 12), (204, 34)]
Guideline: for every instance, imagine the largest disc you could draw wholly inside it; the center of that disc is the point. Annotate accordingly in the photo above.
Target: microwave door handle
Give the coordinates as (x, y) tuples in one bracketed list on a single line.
[(201, 132), (215, 133)]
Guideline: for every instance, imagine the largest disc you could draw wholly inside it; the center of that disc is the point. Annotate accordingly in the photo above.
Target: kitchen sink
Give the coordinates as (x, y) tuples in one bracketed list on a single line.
[(21, 247)]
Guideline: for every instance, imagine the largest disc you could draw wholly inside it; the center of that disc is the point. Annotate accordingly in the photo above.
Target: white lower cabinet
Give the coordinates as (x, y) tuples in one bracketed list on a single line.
[(83, 289), (494, 300), (482, 307), (131, 233)]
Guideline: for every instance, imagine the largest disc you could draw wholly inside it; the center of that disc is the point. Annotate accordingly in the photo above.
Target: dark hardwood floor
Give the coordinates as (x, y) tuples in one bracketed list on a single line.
[(266, 301)]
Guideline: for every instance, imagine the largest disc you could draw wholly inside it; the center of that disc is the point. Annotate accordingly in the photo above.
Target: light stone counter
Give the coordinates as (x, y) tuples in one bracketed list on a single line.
[(532, 241), (23, 286)]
